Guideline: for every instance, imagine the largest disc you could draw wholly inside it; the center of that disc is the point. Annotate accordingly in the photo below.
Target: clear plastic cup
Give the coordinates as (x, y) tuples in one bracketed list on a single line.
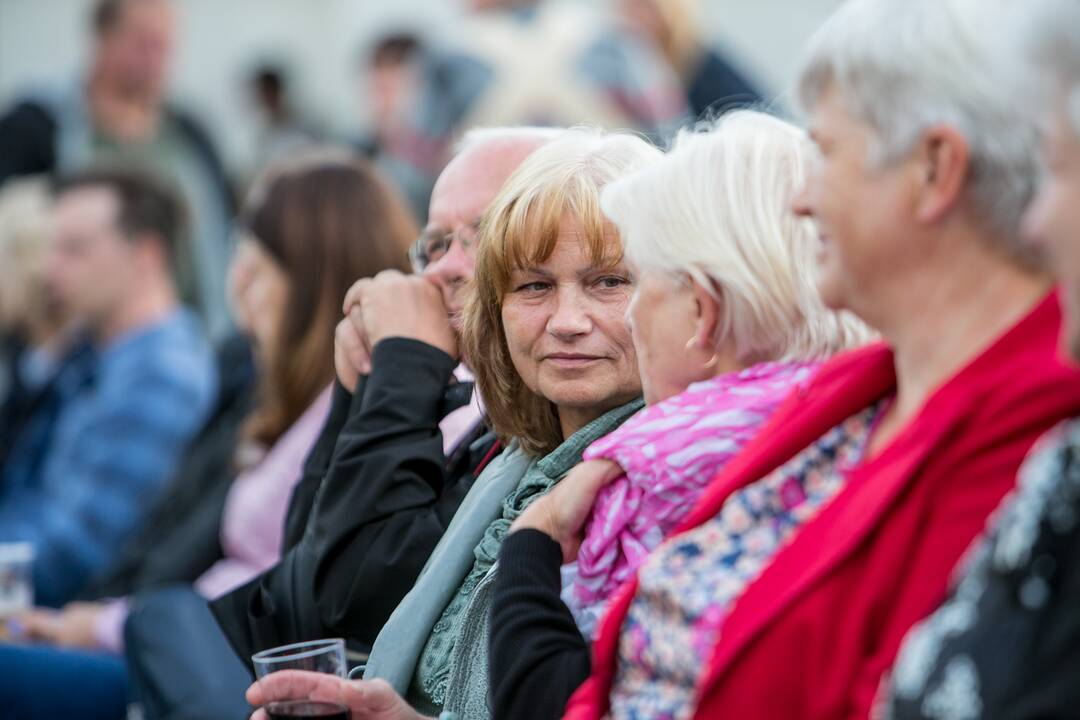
[(16, 578), (324, 656)]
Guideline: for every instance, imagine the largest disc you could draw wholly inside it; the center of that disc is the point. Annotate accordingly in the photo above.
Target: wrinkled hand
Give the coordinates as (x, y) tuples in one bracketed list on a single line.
[(397, 305), (562, 513), (71, 627), (366, 699)]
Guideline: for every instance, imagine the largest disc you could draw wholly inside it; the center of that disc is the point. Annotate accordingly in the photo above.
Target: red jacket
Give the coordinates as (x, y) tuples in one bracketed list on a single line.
[(811, 637)]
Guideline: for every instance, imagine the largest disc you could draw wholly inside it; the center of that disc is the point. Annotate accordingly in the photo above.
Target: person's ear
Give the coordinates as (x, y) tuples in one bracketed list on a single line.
[(707, 306), (943, 167), (151, 251)]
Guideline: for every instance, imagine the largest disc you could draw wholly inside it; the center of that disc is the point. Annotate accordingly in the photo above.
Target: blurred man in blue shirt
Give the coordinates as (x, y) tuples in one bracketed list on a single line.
[(118, 440)]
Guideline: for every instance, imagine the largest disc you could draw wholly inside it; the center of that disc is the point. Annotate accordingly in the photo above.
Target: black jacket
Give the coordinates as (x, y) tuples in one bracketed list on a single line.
[(538, 656), (377, 494)]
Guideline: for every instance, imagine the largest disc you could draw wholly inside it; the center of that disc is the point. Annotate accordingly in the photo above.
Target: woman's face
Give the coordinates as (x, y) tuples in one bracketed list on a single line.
[(663, 319), (259, 290), (565, 324)]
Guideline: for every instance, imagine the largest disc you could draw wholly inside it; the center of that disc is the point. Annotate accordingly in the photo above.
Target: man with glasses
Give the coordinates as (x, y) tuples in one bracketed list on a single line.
[(399, 451)]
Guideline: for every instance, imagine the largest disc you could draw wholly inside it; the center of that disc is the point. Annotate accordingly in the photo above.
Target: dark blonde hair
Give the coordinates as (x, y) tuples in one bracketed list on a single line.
[(328, 220), (564, 178)]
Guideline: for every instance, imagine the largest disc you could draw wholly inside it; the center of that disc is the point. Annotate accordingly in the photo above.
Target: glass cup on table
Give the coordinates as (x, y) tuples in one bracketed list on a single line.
[(324, 656)]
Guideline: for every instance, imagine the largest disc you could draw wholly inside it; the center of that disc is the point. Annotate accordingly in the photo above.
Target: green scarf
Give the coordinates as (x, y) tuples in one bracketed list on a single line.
[(433, 670)]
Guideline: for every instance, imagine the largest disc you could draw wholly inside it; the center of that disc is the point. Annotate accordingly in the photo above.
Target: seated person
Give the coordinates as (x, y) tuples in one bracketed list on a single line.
[(726, 320), (119, 439), (300, 251), (547, 337), (41, 363), (402, 445), (1006, 643)]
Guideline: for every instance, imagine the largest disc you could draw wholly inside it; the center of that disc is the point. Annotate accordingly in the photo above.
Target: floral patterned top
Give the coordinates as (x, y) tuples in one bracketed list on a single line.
[(668, 452), (687, 587), (1006, 644)]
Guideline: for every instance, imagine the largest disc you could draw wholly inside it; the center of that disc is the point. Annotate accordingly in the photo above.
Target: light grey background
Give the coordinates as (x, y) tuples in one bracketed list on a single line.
[(44, 41)]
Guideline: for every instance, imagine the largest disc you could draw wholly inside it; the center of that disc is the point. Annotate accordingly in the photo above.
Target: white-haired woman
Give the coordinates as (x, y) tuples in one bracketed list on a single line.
[(727, 320)]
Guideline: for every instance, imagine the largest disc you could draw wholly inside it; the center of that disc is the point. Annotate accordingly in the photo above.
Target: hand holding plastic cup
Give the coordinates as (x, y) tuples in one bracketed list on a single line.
[(322, 656)]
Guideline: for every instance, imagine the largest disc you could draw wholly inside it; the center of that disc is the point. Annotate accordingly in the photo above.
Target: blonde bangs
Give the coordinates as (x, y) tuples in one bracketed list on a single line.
[(560, 183), (526, 229)]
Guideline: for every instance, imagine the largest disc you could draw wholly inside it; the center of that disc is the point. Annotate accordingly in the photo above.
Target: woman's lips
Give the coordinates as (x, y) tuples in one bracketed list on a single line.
[(571, 360)]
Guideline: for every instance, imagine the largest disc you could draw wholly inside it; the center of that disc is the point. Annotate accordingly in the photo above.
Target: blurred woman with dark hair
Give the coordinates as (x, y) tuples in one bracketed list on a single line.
[(311, 228)]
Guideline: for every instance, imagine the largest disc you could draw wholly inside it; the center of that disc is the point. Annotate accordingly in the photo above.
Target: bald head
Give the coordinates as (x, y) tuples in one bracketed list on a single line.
[(463, 193), (471, 180)]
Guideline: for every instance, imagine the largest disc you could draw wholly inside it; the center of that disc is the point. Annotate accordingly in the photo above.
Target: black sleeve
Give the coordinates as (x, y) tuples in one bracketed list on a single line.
[(27, 135), (386, 499), (380, 509), (316, 466), (538, 657)]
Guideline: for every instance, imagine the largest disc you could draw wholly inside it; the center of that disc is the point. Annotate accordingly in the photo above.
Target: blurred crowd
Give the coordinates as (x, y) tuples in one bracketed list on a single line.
[(586, 385)]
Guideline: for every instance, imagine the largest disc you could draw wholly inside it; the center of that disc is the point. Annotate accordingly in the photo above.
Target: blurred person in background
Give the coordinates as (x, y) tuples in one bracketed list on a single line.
[(533, 62), (1006, 643), (117, 113), (282, 132), (713, 84), (302, 248), (389, 84), (42, 359), (119, 439)]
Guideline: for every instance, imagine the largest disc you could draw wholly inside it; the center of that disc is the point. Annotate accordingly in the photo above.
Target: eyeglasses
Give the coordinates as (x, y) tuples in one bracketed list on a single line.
[(434, 244)]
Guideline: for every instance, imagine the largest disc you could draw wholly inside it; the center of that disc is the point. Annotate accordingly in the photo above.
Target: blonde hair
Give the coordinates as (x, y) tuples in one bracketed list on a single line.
[(717, 208), (521, 228)]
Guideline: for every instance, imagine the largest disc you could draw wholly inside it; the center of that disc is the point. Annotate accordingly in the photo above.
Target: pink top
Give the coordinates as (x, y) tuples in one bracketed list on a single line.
[(669, 453), (458, 422), (253, 521)]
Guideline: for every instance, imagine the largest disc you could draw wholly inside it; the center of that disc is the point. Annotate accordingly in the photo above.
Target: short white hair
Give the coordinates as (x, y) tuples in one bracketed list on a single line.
[(717, 208), (902, 66), (1049, 43)]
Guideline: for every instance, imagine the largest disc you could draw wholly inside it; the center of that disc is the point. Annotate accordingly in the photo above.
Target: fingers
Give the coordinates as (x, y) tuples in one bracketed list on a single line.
[(361, 349), (350, 338), (596, 473), (354, 297), (292, 685), (39, 625)]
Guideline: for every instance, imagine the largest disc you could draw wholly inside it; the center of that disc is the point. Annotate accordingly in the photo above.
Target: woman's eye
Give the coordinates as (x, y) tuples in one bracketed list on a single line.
[(536, 286), (611, 282)]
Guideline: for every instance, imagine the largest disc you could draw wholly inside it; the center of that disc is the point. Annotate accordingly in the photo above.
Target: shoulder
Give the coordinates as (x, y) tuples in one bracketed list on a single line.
[(29, 115), (174, 355)]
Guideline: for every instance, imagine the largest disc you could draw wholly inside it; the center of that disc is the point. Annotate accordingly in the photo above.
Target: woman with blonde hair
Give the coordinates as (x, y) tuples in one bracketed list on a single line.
[(545, 333)]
